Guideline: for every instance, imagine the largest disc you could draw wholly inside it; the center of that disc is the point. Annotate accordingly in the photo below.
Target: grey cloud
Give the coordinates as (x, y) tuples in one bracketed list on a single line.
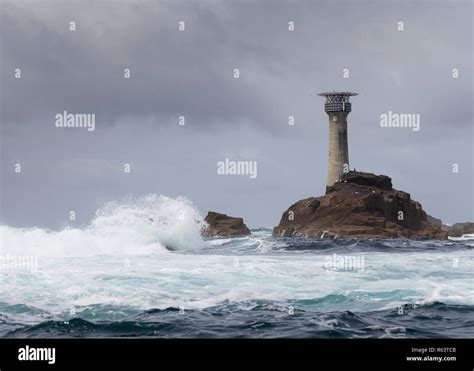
[(190, 73)]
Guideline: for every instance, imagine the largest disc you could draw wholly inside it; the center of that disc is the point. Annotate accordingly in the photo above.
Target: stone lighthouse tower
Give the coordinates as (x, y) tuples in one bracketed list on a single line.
[(337, 107)]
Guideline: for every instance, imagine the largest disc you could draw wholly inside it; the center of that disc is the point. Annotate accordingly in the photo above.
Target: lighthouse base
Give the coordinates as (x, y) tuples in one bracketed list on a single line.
[(361, 205)]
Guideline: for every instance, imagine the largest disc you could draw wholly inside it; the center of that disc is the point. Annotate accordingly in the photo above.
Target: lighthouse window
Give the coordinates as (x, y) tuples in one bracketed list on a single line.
[(334, 118)]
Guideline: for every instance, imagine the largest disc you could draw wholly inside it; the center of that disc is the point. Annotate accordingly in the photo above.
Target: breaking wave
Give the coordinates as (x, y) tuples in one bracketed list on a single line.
[(135, 226)]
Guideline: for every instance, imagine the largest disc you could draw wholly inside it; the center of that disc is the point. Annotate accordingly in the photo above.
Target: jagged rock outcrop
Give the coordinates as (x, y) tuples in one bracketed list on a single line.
[(432, 220), (458, 229), (455, 230), (368, 179), (223, 225), (360, 205)]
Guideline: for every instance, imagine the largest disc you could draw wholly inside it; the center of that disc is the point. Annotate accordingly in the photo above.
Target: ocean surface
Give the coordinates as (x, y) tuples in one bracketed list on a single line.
[(141, 269)]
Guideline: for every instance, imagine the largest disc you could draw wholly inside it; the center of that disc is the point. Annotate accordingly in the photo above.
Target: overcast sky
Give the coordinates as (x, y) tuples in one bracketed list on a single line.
[(190, 73)]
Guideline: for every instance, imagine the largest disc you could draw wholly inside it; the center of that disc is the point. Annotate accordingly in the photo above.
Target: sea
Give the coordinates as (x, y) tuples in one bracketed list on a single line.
[(140, 269)]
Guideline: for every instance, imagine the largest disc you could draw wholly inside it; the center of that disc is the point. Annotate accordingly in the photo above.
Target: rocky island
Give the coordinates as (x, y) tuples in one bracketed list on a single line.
[(359, 205), (356, 204), (224, 225)]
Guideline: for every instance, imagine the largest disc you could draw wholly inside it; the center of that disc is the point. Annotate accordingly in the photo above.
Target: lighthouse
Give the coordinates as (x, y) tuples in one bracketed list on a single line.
[(337, 107)]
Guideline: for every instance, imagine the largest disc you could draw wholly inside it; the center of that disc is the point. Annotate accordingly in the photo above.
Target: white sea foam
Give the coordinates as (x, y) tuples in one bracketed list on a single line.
[(120, 259), (134, 226)]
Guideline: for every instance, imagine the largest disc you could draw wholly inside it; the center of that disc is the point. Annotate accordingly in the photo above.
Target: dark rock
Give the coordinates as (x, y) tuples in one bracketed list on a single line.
[(360, 205), (223, 225), (368, 179), (458, 229), (432, 220)]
